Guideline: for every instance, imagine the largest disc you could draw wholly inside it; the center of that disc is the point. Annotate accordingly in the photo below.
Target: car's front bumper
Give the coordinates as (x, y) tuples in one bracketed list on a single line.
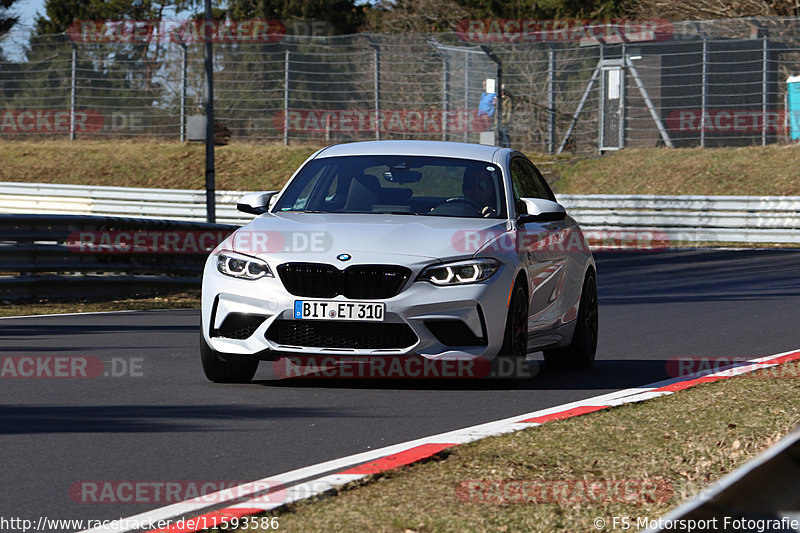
[(465, 321)]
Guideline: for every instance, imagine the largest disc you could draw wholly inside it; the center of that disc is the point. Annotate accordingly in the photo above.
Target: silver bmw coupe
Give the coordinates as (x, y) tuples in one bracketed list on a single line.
[(419, 249)]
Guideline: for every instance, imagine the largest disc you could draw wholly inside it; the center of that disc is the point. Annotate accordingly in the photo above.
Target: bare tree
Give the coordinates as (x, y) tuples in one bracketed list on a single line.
[(414, 16), (713, 9), (7, 19)]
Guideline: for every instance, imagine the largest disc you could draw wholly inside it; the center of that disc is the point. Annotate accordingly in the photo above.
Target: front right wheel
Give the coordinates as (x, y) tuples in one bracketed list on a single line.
[(581, 351), (515, 340), (226, 368)]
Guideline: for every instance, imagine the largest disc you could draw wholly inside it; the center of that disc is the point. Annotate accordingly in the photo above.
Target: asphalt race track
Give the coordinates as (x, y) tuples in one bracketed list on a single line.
[(159, 419)]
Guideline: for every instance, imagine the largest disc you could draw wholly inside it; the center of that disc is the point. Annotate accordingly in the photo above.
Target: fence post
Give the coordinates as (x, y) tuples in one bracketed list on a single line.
[(466, 92), (73, 96), (286, 99), (622, 101), (183, 91), (551, 100), (764, 88), (211, 198), (601, 107), (498, 108), (376, 54), (445, 79), (704, 92)]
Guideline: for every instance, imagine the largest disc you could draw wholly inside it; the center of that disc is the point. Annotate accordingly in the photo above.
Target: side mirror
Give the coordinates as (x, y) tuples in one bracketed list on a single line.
[(256, 203), (541, 210)]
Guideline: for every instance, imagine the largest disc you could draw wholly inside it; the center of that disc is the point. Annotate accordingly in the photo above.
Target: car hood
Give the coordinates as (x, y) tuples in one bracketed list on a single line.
[(316, 236)]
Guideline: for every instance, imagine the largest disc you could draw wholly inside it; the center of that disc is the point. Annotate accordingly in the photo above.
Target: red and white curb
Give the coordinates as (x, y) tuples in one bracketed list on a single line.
[(316, 479)]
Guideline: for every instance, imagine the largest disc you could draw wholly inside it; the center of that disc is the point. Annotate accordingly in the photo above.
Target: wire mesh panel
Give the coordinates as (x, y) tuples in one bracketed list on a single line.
[(713, 83)]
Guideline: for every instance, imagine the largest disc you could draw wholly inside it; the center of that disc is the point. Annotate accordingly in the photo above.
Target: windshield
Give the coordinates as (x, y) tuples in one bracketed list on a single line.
[(409, 185)]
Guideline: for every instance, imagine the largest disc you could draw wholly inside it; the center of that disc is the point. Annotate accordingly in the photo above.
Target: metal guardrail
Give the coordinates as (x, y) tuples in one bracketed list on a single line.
[(174, 204), (77, 255), (682, 219), (747, 219), (762, 495)]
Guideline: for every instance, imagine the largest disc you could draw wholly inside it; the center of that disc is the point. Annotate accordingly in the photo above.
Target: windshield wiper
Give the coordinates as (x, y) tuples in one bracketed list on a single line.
[(395, 213)]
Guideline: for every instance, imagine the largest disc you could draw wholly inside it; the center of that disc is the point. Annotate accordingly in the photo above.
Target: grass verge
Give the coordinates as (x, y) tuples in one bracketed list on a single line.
[(171, 165), (754, 170), (173, 300), (684, 441)]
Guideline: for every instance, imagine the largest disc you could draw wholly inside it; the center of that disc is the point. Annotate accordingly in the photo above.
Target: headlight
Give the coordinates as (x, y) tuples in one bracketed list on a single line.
[(242, 266), (459, 273)]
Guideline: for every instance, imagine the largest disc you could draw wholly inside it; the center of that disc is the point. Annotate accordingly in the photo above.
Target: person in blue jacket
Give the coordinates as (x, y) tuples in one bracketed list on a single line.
[(487, 105)]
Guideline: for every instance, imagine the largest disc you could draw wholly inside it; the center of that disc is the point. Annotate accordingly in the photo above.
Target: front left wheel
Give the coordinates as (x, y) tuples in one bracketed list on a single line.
[(226, 368)]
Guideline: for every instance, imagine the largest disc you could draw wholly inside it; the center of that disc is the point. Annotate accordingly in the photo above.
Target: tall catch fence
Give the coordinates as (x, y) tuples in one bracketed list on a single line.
[(572, 88)]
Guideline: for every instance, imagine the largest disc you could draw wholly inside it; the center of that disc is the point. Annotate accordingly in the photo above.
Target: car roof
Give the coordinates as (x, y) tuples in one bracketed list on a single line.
[(479, 152)]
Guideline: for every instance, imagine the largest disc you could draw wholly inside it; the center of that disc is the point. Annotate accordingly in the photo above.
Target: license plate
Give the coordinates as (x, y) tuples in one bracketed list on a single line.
[(332, 310)]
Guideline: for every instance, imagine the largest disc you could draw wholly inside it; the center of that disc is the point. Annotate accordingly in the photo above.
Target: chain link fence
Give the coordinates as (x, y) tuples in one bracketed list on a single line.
[(578, 90)]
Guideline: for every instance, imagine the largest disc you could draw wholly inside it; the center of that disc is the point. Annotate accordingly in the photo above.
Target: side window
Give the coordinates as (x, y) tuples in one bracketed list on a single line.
[(539, 181), (516, 181), (527, 183)]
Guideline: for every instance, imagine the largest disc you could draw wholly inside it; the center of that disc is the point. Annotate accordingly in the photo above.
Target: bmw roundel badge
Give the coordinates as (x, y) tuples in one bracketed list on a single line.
[(344, 257)]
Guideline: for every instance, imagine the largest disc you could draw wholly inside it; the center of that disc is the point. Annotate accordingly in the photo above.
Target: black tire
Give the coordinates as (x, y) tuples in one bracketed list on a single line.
[(515, 339), (581, 351), (226, 368)]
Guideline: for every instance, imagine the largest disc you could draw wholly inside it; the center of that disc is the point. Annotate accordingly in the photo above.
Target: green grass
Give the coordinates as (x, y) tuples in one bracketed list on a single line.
[(684, 442), (171, 165), (769, 170)]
